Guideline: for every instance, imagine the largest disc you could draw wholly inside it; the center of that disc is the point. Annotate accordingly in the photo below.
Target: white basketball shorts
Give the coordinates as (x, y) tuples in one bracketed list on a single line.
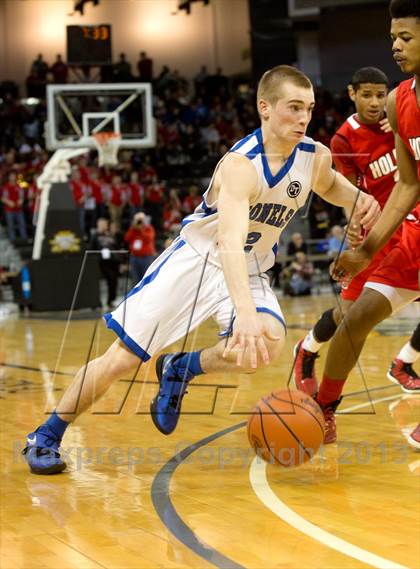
[(178, 292)]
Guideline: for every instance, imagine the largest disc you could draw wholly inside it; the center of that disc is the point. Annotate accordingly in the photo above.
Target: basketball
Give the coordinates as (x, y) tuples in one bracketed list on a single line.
[(286, 428)]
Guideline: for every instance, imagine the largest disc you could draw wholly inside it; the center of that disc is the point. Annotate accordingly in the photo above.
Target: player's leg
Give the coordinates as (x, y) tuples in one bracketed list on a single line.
[(176, 370), (137, 343), (370, 308), (376, 303), (306, 350), (93, 380), (392, 285), (401, 370), (89, 384)]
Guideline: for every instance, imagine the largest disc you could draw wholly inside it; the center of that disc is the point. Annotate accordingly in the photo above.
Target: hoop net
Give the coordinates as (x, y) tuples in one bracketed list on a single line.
[(107, 145)]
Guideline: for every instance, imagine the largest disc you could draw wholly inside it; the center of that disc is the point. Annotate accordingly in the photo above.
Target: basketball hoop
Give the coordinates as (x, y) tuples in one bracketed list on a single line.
[(107, 145)]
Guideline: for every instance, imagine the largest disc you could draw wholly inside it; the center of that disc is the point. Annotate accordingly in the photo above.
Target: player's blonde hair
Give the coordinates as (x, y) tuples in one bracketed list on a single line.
[(269, 86)]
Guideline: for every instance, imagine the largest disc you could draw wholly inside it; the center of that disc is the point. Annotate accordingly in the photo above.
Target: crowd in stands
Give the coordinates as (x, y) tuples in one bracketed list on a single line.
[(197, 122)]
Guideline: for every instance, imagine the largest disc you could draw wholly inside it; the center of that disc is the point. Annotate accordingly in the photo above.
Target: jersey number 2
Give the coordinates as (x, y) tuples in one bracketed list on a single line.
[(251, 239)]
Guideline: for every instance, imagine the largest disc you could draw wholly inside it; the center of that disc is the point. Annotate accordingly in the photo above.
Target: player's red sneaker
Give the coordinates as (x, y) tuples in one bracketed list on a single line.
[(404, 375), (304, 369), (414, 437), (329, 409)]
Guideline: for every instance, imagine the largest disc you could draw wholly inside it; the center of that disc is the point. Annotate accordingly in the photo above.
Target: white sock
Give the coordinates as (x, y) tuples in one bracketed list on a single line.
[(408, 354), (310, 344)]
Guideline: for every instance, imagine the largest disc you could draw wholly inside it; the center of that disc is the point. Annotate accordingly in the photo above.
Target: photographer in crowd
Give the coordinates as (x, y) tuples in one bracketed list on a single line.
[(140, 239)]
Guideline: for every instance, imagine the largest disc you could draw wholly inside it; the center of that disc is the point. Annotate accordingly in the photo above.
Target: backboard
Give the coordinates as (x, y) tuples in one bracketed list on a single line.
[(76, 111)]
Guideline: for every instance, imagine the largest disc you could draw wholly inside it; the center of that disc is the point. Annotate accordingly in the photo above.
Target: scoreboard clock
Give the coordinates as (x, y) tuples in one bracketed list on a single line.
[(89, 45)]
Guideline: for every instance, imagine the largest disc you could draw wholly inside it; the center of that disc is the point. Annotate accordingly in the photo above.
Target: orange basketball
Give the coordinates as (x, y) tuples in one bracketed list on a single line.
[(286, 428)]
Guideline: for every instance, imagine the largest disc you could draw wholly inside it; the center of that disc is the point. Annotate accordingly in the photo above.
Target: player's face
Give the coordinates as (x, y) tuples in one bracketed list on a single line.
[(370, 99), (405, 35), (289, 117)]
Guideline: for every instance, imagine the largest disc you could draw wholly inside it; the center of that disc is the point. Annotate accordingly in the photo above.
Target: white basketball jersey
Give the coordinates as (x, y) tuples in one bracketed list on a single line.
[(278, 198)]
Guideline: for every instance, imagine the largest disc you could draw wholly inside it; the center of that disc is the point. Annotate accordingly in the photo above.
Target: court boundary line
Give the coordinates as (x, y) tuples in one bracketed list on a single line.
[(263, 491), (160, 494)]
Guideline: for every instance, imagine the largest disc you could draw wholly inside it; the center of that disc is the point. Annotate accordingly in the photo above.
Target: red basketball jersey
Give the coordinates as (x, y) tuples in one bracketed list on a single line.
[(368, 152), (408, 116), (400, 268)]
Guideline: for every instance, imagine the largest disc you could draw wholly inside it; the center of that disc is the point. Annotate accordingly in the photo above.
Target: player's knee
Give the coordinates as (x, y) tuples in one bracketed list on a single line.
[(275, 347), (354, 326), (118, 361), (364, 314)]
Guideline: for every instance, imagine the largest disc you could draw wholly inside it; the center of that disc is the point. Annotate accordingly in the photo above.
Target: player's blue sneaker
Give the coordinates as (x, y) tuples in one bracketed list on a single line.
[(165, 408), (41, 452)]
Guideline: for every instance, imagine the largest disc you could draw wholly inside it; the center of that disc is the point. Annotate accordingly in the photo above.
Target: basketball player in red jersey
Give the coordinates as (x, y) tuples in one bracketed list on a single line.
[(395, 282), (363, 150)]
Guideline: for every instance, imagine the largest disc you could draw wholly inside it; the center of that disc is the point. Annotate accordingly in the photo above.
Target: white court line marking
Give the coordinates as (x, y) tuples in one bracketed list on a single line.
[(259, 483), (361, 405)]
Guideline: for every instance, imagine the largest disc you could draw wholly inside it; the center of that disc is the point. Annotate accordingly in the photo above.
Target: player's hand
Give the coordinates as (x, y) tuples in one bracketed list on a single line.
[(367, 210), (348, 264), (354, 234), (248, 336), (385, 126)]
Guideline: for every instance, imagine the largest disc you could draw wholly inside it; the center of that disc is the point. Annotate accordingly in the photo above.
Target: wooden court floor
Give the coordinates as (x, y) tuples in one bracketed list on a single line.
[(133, 498)]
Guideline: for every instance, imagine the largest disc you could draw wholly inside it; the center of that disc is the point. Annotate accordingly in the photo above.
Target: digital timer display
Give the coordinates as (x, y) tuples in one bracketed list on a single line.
[(89, 45)]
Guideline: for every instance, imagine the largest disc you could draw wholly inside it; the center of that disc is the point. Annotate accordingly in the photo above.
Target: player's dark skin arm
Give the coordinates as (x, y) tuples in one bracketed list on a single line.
[(372, 307), (402, 200), (405, 194)]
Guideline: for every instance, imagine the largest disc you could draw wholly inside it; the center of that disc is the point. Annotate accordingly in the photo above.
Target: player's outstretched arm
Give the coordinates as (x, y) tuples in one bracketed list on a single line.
[(238, 184), (336, 189)]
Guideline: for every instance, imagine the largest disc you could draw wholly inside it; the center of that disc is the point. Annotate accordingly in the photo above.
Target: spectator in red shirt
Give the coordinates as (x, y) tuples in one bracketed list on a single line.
[(192, 200), (117, 200), (147, 172), (97, 193), (12, 198), (136, 193), (154, 201), (32, 196), (171, 219), (107, 174), (140, 238), (78, 196), (83, 169), (172, 215)]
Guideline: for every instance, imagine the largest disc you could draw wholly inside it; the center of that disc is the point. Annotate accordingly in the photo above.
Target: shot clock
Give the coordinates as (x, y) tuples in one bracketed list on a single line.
[(89, 45)]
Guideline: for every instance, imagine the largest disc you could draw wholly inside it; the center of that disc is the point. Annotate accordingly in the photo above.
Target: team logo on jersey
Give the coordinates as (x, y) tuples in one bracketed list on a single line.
[(294, 189)]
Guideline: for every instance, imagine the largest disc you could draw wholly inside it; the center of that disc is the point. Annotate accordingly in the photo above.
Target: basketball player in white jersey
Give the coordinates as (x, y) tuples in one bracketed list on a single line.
[(215, 268)]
